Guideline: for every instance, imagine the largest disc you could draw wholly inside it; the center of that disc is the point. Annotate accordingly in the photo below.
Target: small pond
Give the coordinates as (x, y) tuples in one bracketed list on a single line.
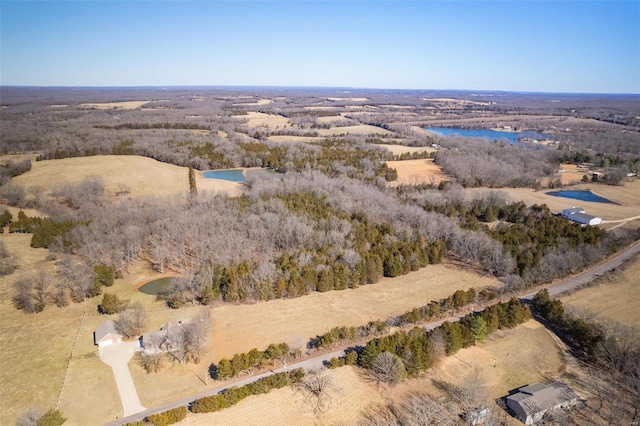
[(512, 137), (155, 287), (231, 175), (581, 195)]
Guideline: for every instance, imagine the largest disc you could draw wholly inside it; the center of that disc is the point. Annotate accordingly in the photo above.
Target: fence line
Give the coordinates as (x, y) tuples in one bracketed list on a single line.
[(73, 349)]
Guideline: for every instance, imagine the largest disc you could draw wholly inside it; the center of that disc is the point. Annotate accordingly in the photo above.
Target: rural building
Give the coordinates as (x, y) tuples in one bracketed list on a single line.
[(531, 402), (106, 334), (167, 339), (577, 214)]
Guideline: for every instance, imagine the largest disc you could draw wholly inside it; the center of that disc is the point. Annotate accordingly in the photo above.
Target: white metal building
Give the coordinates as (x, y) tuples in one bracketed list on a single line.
[(577, 214)]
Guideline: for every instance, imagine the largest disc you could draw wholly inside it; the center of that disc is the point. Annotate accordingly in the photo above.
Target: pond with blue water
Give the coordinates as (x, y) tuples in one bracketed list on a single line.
[(584, 195), (230, 175), (512, 137)]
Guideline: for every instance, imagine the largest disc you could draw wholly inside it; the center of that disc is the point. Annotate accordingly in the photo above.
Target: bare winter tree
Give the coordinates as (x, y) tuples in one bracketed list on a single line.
[(131, 321), (318, 389), (388, 368), (419, 408)]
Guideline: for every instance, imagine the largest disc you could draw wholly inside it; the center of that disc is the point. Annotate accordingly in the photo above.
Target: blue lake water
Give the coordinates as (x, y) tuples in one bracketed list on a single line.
[(154, 287), (512, 137), (232, 175), (581, 195)]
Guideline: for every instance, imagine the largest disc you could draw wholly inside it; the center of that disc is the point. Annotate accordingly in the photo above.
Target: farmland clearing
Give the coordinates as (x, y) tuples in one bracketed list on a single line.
[(616, 298), (415, 172), (114, 105)]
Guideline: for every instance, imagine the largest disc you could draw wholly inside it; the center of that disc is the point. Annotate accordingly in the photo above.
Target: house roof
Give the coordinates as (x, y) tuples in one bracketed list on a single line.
[(169, 332), (106, 328), (539, 397)]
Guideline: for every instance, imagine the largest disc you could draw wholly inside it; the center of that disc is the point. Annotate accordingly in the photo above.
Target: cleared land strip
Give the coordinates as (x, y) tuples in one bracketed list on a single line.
[(318, 361)]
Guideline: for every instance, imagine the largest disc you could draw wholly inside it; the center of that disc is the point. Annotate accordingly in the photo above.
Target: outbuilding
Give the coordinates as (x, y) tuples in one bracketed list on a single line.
[(106, 334), (577, 214), (530, 403)]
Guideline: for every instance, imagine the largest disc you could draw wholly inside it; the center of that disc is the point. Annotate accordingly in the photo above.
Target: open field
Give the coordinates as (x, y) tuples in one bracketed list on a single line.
[(361, 129), (294, 139), (412, 172), (89, 395), (349, 99), (572, 173), (508, 359), (114, 105), (143, 176), (240, 328), (260, 119), (256, 103), (402, 149), (617, 299), (627, 198)]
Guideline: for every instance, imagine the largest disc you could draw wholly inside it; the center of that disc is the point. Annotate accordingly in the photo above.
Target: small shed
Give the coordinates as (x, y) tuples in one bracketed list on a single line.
[(106, 334), (530, 403)]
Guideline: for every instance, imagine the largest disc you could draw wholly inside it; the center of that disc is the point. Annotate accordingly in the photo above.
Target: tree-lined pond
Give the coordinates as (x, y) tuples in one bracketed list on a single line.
[(230, 175), (155, 287)]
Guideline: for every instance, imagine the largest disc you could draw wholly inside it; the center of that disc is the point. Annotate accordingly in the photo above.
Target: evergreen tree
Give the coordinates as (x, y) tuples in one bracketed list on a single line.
[(192, 181)]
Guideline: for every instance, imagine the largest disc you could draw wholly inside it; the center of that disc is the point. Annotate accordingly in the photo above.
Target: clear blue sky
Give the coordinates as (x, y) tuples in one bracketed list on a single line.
[(552, 46)]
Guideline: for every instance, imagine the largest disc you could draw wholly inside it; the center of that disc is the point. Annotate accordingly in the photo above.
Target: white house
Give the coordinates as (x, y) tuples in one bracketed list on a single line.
[(106, 334), (577, 214), (530, 403)]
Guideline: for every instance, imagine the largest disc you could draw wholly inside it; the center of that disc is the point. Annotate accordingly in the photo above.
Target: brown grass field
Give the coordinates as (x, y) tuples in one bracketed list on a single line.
[(616, 299), (143, 176), (411, 172), (402, 149), (506, 360), (361, 129), (114, 105), (626, 196), (294, 139), (260, 119), (36, 349)]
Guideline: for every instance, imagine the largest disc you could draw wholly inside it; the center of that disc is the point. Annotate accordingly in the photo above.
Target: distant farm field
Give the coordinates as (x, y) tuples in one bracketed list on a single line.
[(617, 299), (413, 172), (361, 129), (142, 176), (403, 149), (114, 105), (260, 119)]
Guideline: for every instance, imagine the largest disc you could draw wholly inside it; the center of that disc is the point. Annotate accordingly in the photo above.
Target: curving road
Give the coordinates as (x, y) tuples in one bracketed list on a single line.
[(318, 361)]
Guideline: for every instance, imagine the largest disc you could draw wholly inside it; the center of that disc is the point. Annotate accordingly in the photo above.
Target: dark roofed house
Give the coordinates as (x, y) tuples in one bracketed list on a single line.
[(167, 339), (106, 334), (530, 403)]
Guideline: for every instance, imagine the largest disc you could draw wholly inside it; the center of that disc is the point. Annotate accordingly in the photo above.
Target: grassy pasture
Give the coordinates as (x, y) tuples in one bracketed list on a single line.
[(507, 359), (626, 196), (617, 299), (260, 119), (361, 129), (143, 176), (114, 105), (402, 149), (412, 172)]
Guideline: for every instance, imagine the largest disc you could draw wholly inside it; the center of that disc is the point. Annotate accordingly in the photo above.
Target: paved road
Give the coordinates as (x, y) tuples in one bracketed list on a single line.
[(319, 361), (589, 275), (117, 356)]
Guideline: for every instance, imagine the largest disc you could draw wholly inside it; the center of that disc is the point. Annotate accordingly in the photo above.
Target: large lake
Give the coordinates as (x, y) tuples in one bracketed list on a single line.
[(232, 175), (512, 137)]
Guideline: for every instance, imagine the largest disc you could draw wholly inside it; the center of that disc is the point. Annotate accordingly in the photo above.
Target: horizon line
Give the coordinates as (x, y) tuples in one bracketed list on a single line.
[(212, 86)]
